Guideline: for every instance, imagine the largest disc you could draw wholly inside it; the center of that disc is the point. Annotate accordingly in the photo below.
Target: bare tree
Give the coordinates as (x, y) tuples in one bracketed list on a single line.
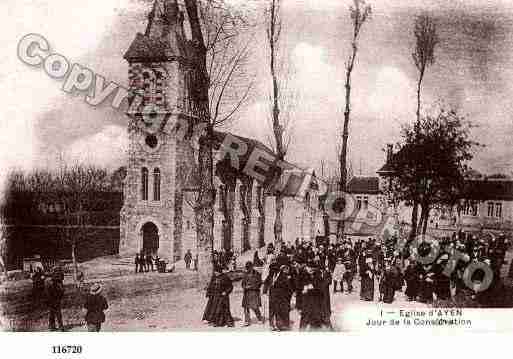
[(77, 189), (261, 198), (215, 92), (3, 249), (245, 198), (228, 36), (423, 56), (273, 30), (229, 33), (359, 12)]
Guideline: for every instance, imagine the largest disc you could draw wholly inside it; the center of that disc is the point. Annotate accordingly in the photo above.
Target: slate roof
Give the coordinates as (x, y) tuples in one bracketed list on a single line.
[(368, 185), (385, 169), (144, 47), (147, 48), (482, 190), (294, 182)]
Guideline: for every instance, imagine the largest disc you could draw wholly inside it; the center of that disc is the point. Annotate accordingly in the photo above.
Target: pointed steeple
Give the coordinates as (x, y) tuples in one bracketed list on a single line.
[(161, 18), (164, 36)]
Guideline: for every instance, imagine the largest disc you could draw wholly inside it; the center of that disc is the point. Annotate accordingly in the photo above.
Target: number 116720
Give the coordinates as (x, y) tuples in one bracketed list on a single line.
[(66, 349)]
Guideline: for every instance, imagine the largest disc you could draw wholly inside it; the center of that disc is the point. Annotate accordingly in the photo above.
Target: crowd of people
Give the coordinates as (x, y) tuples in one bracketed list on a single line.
[(444, 277), (224, 259), (283, 277), (305, 276), (145, 263), (311, 272)]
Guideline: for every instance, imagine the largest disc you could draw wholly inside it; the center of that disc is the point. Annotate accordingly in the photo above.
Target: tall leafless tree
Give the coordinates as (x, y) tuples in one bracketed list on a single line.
[(280, 103), (423, 56), (3, 249), (77, 189), (228, 36), (359, 13), (217, 65)]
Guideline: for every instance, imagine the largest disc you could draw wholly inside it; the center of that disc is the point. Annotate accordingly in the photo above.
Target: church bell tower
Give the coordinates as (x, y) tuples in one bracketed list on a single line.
[(150, 220)]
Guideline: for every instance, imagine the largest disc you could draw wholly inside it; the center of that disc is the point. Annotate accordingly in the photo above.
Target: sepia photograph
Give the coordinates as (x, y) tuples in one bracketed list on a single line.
[(256, 166)]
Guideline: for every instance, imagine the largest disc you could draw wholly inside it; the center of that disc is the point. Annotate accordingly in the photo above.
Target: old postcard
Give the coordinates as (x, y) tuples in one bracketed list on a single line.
[(256, 166)]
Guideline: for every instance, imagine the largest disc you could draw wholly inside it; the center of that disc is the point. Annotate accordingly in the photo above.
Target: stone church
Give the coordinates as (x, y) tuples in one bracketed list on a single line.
[(157, 215)]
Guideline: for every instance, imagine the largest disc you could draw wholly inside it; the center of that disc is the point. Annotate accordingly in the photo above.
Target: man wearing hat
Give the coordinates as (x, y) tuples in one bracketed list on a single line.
[(251, 283), (55, 292), (95, 304)]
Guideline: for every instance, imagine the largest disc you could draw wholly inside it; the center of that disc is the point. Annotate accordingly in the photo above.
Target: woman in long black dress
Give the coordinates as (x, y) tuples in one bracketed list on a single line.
[(367, 284), (388, 284), (442, 282), (217, 312), (324, 286), (280, 287), (312, 315), (411, 276), (426, 283)]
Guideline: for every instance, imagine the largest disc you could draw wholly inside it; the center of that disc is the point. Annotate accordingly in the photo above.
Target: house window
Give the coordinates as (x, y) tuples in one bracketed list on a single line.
[(490, 209), (365, 202), (358, 202), (144, 184), (470, 208), (498, 210), (156, 184)]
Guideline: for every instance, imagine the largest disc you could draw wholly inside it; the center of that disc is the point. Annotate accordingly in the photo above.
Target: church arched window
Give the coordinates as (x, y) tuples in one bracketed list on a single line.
[(156, 184), (144, 184)]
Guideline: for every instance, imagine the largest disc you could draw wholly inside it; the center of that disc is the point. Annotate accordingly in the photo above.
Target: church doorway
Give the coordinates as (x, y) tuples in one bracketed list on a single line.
[(150, 234)]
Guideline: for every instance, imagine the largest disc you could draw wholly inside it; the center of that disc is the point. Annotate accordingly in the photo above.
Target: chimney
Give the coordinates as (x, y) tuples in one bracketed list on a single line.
[(390, 152)]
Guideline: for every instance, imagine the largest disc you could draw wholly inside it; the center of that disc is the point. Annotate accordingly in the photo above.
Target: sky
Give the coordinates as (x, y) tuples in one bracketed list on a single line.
[(39, 122)]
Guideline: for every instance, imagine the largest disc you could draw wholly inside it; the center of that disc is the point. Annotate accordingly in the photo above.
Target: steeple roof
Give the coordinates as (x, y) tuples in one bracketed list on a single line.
[(164, 37), (145, 48)]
